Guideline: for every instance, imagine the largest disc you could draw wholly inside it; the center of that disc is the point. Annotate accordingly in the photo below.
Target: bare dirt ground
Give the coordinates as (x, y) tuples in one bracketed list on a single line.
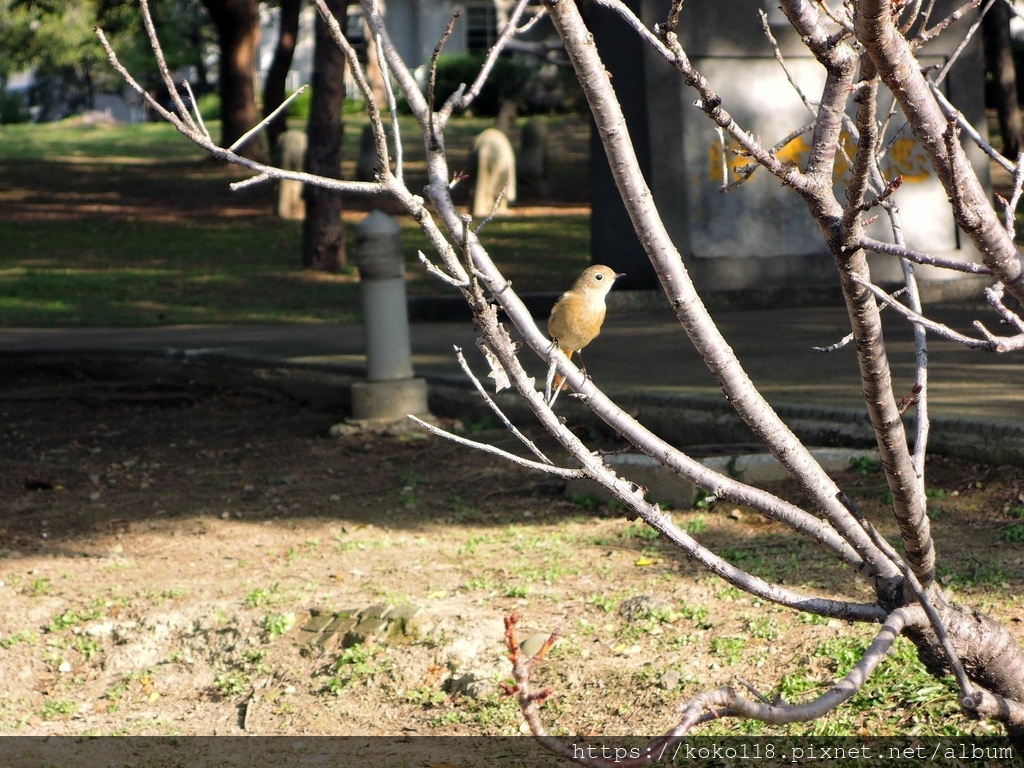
[(163, 548)]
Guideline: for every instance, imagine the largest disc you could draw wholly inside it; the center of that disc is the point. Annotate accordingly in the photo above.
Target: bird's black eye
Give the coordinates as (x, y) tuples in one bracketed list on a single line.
[(599, 277)]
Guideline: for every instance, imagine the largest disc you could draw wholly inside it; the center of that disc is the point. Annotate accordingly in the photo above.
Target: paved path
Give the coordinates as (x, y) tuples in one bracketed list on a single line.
[(635, 353), (648, 364)]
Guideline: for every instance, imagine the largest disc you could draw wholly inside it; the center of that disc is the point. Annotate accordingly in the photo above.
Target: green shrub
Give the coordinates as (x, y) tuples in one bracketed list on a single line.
[(507, 80), (299, 106), (209, 106), (12, 108)]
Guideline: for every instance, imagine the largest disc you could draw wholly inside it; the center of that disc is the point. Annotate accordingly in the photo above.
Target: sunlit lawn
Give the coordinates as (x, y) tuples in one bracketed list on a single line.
[(133, 226)]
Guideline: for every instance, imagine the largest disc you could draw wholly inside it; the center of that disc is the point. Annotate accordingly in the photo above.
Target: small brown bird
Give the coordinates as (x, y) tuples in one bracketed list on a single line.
[(578, 314)]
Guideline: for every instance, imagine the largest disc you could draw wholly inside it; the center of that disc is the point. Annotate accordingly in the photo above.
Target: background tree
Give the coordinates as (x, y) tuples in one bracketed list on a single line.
[(999, 61), (323, 235), (15, 33), (55, 39), (861, 46), (277, 75), (238, 35)]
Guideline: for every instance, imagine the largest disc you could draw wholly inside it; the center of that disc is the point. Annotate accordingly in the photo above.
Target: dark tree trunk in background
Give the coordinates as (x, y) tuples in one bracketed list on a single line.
[(238, 34), (323, 238), (995, 29), (277, 75)]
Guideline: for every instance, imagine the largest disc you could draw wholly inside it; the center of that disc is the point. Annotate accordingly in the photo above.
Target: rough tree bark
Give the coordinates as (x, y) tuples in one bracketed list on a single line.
[(238, 35), (323, 236), (277, 74)]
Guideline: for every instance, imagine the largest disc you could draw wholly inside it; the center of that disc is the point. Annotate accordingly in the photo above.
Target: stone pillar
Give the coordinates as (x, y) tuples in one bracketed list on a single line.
[(758, 241), (494, 167), (291, 151), (390, 392)]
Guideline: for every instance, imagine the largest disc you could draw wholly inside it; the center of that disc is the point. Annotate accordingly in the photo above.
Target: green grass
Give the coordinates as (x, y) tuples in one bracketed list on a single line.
[(901, 697), (133, 226), (70, 139)]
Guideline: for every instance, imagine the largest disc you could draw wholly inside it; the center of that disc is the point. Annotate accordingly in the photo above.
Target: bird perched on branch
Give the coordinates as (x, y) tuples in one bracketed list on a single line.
[(578, 314)]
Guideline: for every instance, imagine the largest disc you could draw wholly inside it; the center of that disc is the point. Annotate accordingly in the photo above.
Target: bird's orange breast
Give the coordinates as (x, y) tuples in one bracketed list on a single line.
[(575, 321)]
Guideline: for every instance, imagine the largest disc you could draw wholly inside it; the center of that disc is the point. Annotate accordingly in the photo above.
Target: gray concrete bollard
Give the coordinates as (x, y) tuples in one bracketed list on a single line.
[(390, 392)]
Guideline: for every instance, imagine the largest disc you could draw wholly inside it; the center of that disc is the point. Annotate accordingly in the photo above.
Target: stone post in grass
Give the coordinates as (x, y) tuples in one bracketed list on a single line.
[(390, 392), (291, 156)]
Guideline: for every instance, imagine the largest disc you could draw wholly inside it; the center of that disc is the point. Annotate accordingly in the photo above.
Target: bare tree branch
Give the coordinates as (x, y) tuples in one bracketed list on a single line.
[(988, 665), (497, 411), (870, 244), (710, 705), (990, 343), (564, 472), (506, 34), (241, 140), (709, 102), (682, 296), (893, 57)]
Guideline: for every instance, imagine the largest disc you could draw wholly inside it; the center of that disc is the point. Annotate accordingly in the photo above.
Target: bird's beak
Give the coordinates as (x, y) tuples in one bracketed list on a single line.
[(619, 274)]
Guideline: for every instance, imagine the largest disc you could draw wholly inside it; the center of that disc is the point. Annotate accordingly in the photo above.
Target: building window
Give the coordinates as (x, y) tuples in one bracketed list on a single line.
[(481, 27)]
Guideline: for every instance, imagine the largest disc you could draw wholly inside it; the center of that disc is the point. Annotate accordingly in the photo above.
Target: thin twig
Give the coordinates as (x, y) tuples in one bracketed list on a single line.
[(252, 181), (994, 296), (970, 130), (194, 134), (466, 97), (385, 73), (195, 109), (766, 28), (938, 29), (848, 338), (992, 344), (266, 121), (161, 62), (494, 208), (1010, 206), (710, 705), (565, 472), (844, 22), (498, 412), (923, 424), (539, 13), (362, 82), (944, 72), (879, 246), (439, 273), (710, 102), (157, 107), (432, 80)]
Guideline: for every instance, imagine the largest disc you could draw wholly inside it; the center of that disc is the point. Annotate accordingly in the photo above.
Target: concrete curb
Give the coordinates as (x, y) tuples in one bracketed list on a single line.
[(684, 420)]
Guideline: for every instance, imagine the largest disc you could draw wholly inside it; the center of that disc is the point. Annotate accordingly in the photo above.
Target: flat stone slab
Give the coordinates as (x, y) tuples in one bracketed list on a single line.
[(668, 489), (381, 622)]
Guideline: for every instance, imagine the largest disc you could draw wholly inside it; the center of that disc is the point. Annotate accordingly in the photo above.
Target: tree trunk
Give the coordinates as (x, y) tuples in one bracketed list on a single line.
[(323, 238), (277, 75), (373, 72), (238, 34), (995, 29)]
